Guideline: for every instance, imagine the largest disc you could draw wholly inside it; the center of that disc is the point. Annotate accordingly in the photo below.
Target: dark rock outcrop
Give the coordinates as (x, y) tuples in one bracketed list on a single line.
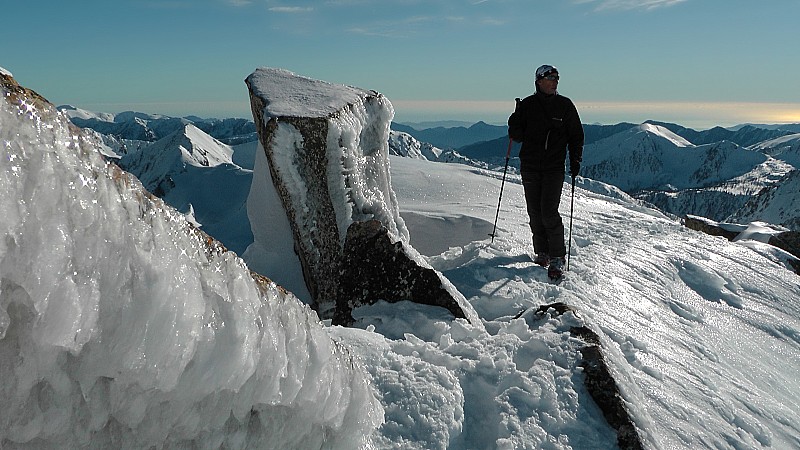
[(599, 381), (788, 241), (698, 224), (373, 267)]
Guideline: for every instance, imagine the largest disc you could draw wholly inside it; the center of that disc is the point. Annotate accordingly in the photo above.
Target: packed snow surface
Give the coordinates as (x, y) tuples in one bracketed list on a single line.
[(702, 335), (290, 95)]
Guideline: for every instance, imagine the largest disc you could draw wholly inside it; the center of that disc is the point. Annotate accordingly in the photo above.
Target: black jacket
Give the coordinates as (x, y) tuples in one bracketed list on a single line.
[(546, 125)]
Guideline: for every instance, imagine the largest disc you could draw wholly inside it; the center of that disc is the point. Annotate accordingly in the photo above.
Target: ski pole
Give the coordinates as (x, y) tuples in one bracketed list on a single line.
[(502, 185), (571, 208)]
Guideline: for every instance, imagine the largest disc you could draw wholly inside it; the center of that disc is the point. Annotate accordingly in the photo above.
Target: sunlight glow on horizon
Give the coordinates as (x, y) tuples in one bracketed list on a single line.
[(689, 114), (697, 115)]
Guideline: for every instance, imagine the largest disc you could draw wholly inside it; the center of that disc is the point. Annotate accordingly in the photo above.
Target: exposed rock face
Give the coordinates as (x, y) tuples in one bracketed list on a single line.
[(374, 267), (327, 149), (698, 224)]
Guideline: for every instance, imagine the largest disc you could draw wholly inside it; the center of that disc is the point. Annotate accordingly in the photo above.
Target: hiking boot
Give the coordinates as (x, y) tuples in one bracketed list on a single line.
[(556, 268), (541, 260)]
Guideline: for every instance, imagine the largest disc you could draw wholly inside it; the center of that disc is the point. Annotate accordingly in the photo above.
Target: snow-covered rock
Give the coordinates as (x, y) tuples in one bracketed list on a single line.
[(326, 148)]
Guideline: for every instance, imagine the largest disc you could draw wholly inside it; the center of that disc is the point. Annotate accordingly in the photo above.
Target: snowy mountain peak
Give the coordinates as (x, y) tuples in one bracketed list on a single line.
[(658, 131), (74, 112), (188, 146), (650, 156), (195, 147), (127, 116), (786, 148), (403, 144), (204, 149)]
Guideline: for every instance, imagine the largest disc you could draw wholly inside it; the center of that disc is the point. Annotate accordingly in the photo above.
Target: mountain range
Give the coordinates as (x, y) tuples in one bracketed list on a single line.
[(136, 126), (738, 174), (718, 173)]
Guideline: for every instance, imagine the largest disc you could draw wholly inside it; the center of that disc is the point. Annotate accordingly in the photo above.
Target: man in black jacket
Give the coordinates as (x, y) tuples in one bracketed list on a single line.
[(547, 124)]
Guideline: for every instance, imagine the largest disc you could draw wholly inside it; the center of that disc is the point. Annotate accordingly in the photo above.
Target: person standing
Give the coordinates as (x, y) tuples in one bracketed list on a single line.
[(548, 125)]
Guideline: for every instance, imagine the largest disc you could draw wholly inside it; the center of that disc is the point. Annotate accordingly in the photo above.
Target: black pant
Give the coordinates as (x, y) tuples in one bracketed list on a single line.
[(542, 196)]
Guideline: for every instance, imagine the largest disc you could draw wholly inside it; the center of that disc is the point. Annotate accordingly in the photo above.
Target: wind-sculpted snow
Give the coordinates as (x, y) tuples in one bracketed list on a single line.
[(123, 327)]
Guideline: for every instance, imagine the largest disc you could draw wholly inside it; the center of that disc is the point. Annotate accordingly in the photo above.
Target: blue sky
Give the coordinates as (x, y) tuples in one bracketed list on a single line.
[(698, 63)]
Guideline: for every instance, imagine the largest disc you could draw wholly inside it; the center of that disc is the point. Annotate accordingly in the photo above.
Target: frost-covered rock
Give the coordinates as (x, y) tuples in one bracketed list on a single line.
[(122, 326), (327, 150)]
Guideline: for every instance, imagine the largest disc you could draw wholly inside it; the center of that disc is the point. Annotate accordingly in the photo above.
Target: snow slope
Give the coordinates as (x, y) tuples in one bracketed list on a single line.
[(192, 171), (786, 148), (702, 335), (778, 204)]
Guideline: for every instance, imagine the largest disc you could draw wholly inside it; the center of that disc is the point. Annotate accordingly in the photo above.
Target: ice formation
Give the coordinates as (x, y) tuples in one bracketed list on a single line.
[(122, 326)]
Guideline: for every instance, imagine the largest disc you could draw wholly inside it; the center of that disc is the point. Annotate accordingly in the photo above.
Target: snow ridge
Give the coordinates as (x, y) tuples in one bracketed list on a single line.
[(171, 155)]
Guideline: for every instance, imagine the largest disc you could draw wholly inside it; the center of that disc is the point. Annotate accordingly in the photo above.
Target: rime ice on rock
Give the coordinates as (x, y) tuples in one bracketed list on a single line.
[(121, 326), (327, 149)]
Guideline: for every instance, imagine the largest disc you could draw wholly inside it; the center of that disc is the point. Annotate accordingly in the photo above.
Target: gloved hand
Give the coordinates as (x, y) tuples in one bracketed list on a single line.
[(574, 168)]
